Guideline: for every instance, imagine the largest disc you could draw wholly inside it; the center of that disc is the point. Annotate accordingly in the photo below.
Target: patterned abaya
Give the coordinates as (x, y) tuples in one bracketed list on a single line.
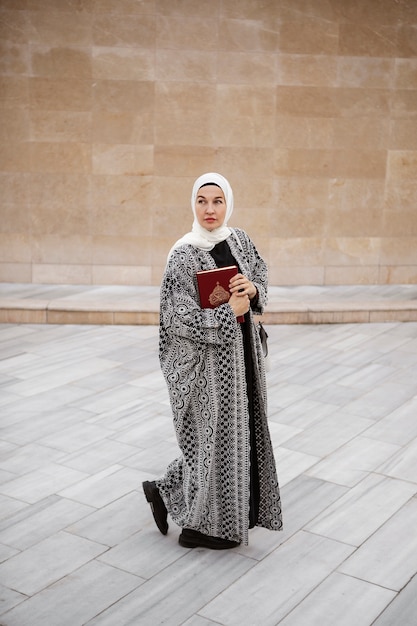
[(225, 479)]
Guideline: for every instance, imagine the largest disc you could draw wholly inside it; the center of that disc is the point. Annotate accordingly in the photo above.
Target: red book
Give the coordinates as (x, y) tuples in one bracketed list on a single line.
[(213, 287)]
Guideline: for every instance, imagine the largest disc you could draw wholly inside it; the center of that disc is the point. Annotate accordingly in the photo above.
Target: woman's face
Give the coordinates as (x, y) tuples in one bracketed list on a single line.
[(210, 207)]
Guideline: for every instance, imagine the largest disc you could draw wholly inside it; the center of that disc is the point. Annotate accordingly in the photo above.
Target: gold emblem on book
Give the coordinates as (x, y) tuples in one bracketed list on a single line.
[(219, 295)]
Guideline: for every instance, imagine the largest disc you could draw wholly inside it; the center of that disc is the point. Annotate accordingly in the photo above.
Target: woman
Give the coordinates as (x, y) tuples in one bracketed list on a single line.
[(225, 480)]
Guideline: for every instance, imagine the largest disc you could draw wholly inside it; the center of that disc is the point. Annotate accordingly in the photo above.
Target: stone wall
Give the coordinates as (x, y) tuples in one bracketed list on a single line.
[(111, 108)]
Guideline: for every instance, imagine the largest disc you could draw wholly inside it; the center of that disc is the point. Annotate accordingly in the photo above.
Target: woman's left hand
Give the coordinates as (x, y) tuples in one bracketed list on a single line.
[(242, 286)]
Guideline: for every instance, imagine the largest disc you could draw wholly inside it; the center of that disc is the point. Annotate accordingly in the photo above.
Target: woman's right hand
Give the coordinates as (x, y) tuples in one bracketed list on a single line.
[(240, 303)]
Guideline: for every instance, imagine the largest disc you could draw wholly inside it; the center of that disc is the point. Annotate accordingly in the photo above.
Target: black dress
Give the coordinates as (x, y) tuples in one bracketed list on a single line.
[(223, 257)]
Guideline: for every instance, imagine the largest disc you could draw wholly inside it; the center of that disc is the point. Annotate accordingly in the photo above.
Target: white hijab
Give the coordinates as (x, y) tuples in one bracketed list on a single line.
[(199, 237)]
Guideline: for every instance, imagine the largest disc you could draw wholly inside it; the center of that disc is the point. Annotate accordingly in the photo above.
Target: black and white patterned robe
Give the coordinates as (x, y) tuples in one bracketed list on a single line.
[(202, 358)]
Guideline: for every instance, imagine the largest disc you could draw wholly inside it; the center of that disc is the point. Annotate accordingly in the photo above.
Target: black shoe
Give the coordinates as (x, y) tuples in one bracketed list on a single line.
[(158, 507), (193, 539)]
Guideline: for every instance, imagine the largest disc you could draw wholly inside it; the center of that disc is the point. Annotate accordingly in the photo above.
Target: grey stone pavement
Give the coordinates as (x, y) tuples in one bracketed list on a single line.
[(85, 418)]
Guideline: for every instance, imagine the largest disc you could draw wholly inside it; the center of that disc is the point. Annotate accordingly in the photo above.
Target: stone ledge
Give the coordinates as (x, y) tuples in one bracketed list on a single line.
[(32, 310)]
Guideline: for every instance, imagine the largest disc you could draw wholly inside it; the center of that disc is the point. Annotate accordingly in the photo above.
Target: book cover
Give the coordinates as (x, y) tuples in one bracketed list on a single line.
[(213, 287)]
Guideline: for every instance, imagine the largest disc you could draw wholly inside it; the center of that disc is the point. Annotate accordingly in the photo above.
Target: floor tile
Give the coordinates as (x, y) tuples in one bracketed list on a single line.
[(340, 600), (267, 593), (76, 599), (46, 562), (388, 557)]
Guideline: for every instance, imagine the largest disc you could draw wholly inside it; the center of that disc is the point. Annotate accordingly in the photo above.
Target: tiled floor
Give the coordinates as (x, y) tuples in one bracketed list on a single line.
[(85, 419)]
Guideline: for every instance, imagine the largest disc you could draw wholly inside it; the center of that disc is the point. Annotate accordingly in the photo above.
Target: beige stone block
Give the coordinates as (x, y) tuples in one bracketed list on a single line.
[(22, 316), (15, 248), (330, 163), (62, 28), (59, 191), (297, 222), (295, 275), (405, 74), (373, 14), (121, 7), (253, 195), (399, 251), (14, 92), (14, 188), (251, 68), (304, 69), (61, 273), (361, 40), (254, 221), (407, 40), (58, 62), (402, 165), (180, 161), (352, 275), (236, 163), (185, 65), (186, 33), (304, 35), (346, 194), (15, 157), (404, 104), (80, 317), (60, 94), (128, 192), (352, 251), (57, 249), (14, 218), (363, 72), (185, 8), (70, 219), (122, 159), (68, 157), (331, 102), (63, 126), (122, 221), (136, 31), (398, 274), (14, 58), (354, 208), (403, 135), (159, 252), (249, 35), (120, 250), (131, 318), (174, 194), (296, 193), (185, 114), (63, 5), (123, 64), (354, 133), (399, 212), (401, 222), (121, 275), (157, 274), (303, 132), (171, 222), (15, 272), (338, 317), (247, 10), (245, 116), (14, 126), (123, 95), (376, 317), (296, 252), (123, 127), (14, 25)]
